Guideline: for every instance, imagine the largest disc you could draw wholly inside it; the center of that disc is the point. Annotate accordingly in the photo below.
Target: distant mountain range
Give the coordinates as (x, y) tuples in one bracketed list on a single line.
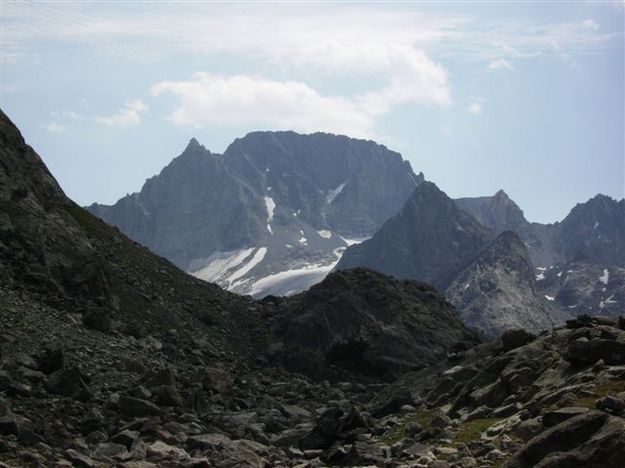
[(271, 215), (532, 276), (278, 211)]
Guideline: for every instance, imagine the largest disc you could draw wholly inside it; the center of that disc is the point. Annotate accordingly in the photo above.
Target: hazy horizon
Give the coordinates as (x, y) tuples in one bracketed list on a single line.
[(524, 97)]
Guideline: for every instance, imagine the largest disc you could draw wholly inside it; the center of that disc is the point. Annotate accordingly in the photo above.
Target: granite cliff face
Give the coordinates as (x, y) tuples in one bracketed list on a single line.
[(498, 292), (272, 214), (430, 240)]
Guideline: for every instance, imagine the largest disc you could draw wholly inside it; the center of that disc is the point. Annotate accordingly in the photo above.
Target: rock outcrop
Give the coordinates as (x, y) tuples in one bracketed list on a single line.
[(366, 323), (430, 240), (497, 292)]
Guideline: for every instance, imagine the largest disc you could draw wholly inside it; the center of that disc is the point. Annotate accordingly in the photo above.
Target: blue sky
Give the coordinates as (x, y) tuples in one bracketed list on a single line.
[(524, 96)]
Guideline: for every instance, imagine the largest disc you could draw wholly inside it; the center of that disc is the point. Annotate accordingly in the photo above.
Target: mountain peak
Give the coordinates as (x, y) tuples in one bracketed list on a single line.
[(194, 145), (502, 195)]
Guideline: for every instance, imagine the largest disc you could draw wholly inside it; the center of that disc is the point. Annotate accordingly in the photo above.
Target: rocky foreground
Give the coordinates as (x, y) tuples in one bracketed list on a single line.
[(556, 400)]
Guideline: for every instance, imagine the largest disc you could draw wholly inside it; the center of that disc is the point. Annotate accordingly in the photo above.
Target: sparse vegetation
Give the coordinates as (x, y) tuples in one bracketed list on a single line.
[(602, 388), (472, 430), (399, 432)]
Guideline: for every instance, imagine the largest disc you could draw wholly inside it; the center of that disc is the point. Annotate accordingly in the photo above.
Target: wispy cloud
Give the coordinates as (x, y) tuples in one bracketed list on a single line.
[(54, 127), (475, 108), (499, 64), (130, 114), (289, 34)]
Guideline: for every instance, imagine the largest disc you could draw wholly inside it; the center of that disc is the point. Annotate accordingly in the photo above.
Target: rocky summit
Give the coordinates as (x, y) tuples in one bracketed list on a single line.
[(272, 215), (112, 356), (430, 240)]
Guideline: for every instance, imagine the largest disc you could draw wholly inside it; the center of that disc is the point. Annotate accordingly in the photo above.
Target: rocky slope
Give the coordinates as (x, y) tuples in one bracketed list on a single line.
[(366, 323), (430, 240), (579, 261), (498, 292), (584, 288), (594, 232), (272, 214)]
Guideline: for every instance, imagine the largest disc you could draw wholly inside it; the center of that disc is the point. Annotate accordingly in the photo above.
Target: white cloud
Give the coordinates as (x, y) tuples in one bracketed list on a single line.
[(213, 100), (210, 99), (499, 64), (54, 127), (475, 108), (128, 115), (590, 24)]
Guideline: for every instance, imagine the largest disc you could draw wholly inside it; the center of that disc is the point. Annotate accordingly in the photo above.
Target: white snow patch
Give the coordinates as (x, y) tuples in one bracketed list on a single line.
[(549, 298), (266, 169), (325, 234), (256, 259), (303, 240), (466, 286), (596, 225), (354, 240), (559, 275), (271, 206), (541, 268), (605, 277), (288, 246), (269, 189), (220, 263), (332, 194), (540, 277), (288, 282), (572, 307)]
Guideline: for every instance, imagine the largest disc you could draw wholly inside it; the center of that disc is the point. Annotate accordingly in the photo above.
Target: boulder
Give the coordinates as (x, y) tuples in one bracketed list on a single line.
[(551, 418), (136, 407), (389, 400), (69, 383), (585, 351), (97, 319), (566, 436)]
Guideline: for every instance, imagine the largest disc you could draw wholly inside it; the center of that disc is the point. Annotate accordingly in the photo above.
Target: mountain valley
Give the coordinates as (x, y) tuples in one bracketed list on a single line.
[(110, 355)]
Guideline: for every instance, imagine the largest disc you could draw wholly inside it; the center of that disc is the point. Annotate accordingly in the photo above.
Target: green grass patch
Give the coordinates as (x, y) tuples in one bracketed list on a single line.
[(472, 430), (424, 418), (601, 389)]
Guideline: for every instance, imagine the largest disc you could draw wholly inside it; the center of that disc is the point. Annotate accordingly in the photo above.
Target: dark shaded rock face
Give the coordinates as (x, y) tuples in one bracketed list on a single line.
[(365, 323), (500, 214), (280, 197), (594, 232), (497, 292), (431, 240), (40, 242)]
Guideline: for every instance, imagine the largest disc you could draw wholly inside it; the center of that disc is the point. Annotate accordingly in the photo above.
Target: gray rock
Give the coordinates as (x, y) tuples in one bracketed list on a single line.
[(551, 418), (136, 407), (611, 404), (70, 383)]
